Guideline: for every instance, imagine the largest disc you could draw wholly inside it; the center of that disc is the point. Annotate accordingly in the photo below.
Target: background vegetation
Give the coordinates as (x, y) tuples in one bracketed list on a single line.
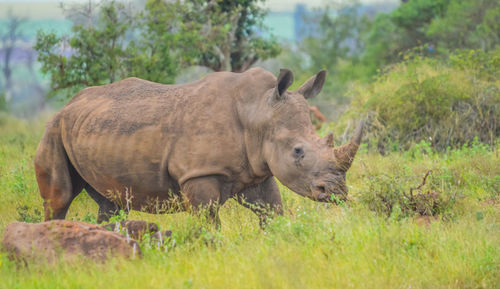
[(425, 186), (448, 103)]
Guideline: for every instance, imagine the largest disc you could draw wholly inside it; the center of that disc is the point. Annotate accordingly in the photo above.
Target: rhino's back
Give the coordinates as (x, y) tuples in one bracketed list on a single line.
[(125, 106), (130, 104)]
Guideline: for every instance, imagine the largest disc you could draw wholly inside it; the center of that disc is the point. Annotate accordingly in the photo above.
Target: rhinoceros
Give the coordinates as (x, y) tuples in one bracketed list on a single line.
[(140, 145)]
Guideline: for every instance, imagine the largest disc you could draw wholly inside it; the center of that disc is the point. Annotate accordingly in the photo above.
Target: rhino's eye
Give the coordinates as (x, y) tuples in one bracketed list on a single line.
[(298, 152)]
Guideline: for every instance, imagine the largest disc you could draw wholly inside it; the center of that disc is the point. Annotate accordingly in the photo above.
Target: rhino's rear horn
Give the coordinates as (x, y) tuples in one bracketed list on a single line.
[(328, 140), (345, 154)]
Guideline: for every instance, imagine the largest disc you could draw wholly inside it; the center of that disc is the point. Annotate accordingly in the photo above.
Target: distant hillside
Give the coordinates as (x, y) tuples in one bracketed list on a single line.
[(47, 16), (31, 10)]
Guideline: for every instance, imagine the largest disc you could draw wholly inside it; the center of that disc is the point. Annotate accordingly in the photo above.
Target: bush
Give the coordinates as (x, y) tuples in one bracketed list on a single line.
[(26, 214), (422, 99), (390, 196)]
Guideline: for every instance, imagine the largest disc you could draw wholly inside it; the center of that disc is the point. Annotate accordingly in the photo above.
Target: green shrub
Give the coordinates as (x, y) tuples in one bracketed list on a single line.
[(393, 196), (422, 99), (26, 214), (122, 216)]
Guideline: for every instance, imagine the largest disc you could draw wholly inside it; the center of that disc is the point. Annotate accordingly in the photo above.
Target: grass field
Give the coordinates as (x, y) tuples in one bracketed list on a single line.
[(374, 241)]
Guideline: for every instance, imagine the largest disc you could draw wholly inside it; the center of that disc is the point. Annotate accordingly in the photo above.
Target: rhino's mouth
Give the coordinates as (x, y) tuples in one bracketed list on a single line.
[(322, 194)]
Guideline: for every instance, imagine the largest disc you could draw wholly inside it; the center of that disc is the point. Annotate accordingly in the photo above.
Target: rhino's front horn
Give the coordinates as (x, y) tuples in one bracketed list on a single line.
[(345, 154)]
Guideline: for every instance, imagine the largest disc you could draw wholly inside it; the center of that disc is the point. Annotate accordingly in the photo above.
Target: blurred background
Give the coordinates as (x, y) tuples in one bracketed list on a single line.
[(418, 70)]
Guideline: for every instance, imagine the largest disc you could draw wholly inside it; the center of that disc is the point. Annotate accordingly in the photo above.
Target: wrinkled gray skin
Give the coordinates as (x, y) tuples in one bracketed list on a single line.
[(156, 148)]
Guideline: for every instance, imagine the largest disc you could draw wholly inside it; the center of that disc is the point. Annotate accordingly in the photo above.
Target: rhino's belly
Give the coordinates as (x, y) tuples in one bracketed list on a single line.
[(138, 191), (126, 169)]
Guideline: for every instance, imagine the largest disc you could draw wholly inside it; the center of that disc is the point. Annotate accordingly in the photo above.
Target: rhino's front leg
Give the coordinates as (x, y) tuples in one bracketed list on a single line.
[(202, 196), (263, 199)]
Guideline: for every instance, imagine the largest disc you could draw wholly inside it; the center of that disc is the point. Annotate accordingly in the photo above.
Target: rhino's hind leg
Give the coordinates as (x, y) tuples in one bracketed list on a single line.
[(107, 209), (263, 199), (57, 179)]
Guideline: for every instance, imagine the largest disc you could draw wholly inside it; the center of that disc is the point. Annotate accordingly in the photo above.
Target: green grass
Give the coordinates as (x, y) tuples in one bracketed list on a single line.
[(313, 246)]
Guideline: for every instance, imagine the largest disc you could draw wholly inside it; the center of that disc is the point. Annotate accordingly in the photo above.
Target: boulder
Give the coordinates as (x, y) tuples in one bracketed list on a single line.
[(64, 239), (159, 238)]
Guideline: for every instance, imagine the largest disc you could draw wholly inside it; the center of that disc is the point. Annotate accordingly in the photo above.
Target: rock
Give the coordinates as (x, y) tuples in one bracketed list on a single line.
[(56, 239), (159, 238), (136, 229)]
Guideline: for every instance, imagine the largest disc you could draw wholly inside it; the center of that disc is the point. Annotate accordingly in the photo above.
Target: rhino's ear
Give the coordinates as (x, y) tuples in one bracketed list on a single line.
[(285, 79), (313, 85)]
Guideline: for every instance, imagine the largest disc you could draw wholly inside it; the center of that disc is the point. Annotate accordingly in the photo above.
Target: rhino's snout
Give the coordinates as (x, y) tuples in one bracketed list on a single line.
[(324, 197), (329, 184), (320, 193), (323, 192)]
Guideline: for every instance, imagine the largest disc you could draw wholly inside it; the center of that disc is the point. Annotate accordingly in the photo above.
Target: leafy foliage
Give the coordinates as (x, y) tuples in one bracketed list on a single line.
[(467, 24), (413, 18), (155, 50), (226, 35), (96, 55), (122, 216), (332, 41), (26, 214), (447, 103), (439, 26)]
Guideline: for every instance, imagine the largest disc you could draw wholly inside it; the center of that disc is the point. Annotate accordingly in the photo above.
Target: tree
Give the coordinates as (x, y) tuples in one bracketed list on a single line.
[(156, 54), (336, 36), (391, 35), (95, 53), (9, 39), (227, 34), (412, 19), (466, 25), (439, 26), (333, 42), (82, 13), (381, 44)]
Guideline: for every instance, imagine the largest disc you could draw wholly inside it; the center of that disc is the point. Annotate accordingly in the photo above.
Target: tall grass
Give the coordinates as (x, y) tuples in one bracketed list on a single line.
[(313, 245)]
